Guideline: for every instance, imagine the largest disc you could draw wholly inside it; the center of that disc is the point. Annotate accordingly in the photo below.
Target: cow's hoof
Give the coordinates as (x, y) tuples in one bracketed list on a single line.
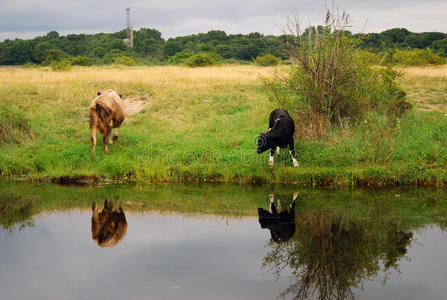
[(296, 165), (295, 195)]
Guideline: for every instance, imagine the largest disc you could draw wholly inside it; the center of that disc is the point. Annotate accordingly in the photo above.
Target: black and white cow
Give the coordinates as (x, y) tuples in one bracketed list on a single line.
[(279, 221), (278, 135)]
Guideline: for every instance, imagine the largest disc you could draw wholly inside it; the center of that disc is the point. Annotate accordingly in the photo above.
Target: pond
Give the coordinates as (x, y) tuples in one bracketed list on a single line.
[(220, 242)]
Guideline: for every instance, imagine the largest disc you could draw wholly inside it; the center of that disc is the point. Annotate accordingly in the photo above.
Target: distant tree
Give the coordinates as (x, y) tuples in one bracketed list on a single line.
[(171, 47), (40, 51), (52, 35), (440, 46), (224, 51), (148, 42)]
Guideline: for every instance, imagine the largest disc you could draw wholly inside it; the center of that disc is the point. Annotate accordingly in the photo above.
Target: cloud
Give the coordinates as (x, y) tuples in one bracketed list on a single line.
[(27, 18)]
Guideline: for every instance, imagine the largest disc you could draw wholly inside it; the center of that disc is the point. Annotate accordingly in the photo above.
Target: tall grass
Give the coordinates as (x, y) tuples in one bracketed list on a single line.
[(330, 82), (15, 126)]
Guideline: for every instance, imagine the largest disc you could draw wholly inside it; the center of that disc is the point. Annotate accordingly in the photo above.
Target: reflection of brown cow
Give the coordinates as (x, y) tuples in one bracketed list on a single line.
[(106, 112), (109, 227)]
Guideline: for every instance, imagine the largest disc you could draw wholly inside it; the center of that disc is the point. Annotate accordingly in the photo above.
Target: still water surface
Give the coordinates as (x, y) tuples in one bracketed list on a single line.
[(221, 242)]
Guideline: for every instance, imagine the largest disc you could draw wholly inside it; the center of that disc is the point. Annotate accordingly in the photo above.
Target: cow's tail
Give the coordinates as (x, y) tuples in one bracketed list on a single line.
[(103, 112)]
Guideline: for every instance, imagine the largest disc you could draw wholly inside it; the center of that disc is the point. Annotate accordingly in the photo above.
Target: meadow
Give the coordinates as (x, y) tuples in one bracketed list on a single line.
[(201, 124)]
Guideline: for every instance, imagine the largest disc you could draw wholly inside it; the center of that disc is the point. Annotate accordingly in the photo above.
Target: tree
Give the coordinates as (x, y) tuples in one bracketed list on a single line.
[(440, 46), (40, 51)]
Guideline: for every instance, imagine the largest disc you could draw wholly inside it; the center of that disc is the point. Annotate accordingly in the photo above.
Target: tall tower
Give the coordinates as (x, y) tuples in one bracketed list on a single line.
[(129, 40)]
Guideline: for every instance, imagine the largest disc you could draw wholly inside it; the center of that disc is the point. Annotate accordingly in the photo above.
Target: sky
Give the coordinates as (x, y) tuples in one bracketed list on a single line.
[(30, 18)]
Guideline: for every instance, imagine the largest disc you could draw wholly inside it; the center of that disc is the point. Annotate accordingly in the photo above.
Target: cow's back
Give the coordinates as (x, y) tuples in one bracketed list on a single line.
[(286, 125), (111, 102)]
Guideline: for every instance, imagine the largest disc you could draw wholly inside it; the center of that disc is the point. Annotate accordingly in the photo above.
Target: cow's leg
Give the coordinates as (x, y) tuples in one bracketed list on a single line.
[(96, 223), (272, 152), (280, 209), (277, 150), (93, 140), (295, 195), (105, 138), (272, 206), (292, 152), (115, 136)]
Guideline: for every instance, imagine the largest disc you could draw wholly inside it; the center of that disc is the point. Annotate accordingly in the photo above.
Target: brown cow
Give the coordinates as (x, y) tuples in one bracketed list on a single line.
[(106, 112), (109, 227)]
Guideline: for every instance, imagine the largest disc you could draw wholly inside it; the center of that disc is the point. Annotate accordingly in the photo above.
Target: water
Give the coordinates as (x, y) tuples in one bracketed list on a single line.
[(206, 242)]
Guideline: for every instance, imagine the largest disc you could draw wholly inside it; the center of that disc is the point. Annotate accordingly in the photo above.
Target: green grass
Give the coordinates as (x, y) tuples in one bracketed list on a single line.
[(201, 125)]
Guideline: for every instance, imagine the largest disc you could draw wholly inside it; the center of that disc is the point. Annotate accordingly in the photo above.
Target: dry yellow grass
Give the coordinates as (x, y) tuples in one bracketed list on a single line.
[(159, 75), (426, 87)]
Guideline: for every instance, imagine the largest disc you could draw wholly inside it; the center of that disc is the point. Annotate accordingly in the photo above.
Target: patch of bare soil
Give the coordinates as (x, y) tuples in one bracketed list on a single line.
[(132, 106), (431, 107), (78, 180)]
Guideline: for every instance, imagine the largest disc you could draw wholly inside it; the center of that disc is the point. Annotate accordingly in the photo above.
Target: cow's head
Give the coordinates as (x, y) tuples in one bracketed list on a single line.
[(262, 143)]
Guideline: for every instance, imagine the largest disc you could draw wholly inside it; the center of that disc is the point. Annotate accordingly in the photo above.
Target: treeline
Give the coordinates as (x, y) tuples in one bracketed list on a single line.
[(151, 48)]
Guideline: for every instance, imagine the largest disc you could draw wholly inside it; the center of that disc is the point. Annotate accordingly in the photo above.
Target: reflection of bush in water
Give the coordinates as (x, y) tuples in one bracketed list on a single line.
[(330, 255), (15, 211)]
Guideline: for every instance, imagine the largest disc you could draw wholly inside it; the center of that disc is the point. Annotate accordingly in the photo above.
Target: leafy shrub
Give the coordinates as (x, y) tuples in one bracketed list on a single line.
[(180, 57), (267, 60), (415, 57), (124, 60), (54, 55), (440, 46), (81, 61), (110, 56), (30, 65), (330, 82), (15, 126), (203, 59), (62, 65)]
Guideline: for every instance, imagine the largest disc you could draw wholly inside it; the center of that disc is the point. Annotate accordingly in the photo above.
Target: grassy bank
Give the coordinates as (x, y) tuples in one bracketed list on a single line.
[(200, 125)]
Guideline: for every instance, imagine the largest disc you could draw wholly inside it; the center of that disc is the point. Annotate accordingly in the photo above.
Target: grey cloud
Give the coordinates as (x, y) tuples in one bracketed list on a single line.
[(173, 17)]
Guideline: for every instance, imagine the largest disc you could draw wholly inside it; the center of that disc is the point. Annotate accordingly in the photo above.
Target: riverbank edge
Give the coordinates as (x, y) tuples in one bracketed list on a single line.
[(374, 176)]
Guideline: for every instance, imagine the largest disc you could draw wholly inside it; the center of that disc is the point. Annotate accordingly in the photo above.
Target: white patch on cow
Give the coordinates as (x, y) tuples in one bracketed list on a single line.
[(295, 162), (272, 199), (271, 161), (280, 209), (269, 129), (277, 150)]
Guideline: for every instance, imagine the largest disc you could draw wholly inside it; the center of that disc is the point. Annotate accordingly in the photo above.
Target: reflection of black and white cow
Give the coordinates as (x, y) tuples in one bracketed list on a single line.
[(280, 222), (278, 135)]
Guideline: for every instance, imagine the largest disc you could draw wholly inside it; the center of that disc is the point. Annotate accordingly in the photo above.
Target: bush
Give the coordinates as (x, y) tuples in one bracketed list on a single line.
[(54, 55), (124, 60), (180, 57), (415, 57), (203, 59), (15, 126), (331, 83), (63, 65), (267, 60), (81, 61), (110, 56)]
